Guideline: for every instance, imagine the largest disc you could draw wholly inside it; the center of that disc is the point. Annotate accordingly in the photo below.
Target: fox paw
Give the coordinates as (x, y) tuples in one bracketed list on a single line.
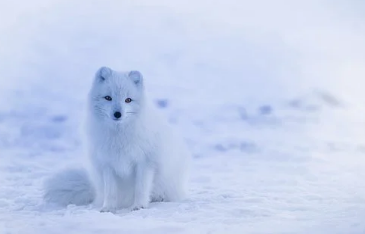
[(137, 207), (105, 209), (157, 199)]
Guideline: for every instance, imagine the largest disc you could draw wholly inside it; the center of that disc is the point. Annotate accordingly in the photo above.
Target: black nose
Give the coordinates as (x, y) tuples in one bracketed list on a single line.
[(117, 114)]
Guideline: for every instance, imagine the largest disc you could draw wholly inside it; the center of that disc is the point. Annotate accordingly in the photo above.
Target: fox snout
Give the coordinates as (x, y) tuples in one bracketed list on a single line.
[(117, 115)]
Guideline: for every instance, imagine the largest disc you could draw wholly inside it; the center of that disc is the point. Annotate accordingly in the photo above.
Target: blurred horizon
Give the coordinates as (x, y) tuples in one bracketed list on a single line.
[(266, 49)]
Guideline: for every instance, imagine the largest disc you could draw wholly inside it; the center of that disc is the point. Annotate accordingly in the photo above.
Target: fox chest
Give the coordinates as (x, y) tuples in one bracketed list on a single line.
[(123, 157)]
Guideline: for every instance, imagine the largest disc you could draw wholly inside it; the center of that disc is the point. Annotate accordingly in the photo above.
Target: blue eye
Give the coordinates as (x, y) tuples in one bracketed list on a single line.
[(108, 98)]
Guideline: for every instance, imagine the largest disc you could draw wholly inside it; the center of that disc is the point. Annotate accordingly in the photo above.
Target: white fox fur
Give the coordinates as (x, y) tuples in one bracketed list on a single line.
[(135, 159)]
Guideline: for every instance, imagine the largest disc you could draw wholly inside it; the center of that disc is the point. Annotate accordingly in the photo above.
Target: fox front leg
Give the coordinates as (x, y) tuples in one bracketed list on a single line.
[(144, 178), (111, 196)]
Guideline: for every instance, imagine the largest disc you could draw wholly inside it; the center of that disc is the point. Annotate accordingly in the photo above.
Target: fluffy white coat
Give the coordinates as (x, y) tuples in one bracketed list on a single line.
[(135, 158)]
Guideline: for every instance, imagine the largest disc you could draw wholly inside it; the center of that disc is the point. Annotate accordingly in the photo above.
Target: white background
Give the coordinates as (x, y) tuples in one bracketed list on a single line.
[(268, 95)]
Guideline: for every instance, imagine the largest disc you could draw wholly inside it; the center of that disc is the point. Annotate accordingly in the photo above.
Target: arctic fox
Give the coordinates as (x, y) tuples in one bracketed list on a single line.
[(134, 157)]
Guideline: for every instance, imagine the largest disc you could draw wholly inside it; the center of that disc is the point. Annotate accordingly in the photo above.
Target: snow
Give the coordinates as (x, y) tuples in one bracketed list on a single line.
[(267, 94)]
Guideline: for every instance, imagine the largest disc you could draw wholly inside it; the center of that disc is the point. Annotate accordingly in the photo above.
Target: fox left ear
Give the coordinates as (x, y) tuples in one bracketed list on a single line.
[(103, 73), (136, 77)]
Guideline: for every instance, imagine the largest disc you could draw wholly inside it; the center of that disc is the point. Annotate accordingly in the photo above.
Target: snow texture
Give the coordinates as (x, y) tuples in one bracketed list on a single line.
[(267, 94)]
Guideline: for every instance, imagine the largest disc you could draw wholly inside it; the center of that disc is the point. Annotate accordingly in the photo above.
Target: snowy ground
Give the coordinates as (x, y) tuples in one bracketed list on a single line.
[(268, 95)]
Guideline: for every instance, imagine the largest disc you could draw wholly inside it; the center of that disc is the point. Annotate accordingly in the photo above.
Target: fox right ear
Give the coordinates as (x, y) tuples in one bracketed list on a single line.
[(136, 77), (103, 73)]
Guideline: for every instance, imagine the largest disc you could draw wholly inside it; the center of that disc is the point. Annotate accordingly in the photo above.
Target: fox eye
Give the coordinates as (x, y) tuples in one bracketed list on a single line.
[(128, 100), (108, 98)]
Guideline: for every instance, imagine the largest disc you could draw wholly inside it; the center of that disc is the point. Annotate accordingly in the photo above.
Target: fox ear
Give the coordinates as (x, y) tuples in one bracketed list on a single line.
[(136, 77), (103, 73)]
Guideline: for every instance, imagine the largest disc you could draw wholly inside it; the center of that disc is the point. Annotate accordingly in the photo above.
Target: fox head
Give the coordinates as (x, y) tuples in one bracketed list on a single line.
[(116, 97)]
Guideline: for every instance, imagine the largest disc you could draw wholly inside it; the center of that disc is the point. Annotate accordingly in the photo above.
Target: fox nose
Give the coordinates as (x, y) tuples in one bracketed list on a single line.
[(117, 114)]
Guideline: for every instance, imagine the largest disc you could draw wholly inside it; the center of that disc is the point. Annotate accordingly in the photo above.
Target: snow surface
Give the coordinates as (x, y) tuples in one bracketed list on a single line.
[(268, 95)]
